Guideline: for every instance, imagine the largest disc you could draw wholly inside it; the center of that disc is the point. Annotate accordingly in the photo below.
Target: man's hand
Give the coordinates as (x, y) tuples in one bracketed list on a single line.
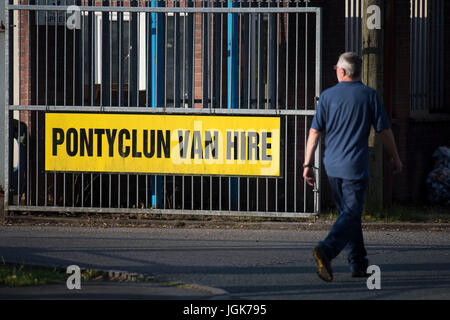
[(389, 143), (308, 172), (308, 175), (398, 166)]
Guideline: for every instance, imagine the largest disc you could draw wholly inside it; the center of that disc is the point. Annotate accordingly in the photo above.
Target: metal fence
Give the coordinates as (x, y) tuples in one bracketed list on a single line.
[(427, 57), (161, 57)]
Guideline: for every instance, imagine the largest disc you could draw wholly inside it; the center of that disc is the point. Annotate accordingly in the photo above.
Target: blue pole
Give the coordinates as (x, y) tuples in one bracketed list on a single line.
[(233, 78), (157, 84)]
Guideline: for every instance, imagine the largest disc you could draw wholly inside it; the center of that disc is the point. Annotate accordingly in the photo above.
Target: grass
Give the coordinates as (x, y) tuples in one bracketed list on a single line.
[(401, 213), (17, 275), (13, 275)]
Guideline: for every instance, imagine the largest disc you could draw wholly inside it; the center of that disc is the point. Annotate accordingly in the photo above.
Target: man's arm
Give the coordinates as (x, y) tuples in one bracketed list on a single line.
[(308, 172), (389, 143)]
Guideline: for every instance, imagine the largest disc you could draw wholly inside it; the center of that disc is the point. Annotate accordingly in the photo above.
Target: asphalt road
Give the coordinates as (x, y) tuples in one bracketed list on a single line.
[(248, 264)]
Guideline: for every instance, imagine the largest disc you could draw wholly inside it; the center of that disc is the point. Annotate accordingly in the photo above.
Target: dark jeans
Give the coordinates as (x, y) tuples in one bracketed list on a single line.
[(347, 231)]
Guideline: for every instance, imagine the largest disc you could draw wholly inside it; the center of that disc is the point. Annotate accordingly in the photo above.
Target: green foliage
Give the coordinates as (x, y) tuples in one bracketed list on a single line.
[(20, 275)]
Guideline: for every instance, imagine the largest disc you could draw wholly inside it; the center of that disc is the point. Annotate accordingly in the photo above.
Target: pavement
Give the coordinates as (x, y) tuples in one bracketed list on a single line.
[(153, 288)]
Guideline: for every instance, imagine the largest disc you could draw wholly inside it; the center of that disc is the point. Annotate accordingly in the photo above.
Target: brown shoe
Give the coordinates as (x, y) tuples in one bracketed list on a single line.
[(323, 265)]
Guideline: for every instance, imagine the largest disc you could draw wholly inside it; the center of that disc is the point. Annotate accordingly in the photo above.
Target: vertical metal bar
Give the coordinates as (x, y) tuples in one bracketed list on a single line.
[(65, 56), (92, 55), (415, 75), (119, 53), (56, 58), (8, 97), (278, 59), (193, 91), (420, 54), (146, 188), (111, 21), (426, 56), (239, 17), (318, 153), (37, 102), (220, 90), (82, 190), (184, 60), (19, 165), (250, 44), (130, 58), (182, 192), (205, 66), (133, 71), (92, 190), (46, 89), (260, 89), (306, 103), (285, 163), (433, 54), (110, 95), (360, 4), (101, 191), (27, 192), (175, 56), (239, 96), (440, 51), (138, 58), (165, 188), (55, 94), (73, 190), (193, 61), (411, 54), (201, 193), (259, 73), (105, 43), (118, 191), (229, 194), (82, 57), (165, 72), (221, 61), (109, 192), (211, 22)]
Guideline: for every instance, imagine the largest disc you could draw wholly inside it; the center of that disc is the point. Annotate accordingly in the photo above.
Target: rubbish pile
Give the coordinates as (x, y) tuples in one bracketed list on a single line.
[(438, 180)]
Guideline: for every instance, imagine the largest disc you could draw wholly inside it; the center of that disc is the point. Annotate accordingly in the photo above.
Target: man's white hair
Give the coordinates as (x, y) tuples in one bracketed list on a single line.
[(351, 63)]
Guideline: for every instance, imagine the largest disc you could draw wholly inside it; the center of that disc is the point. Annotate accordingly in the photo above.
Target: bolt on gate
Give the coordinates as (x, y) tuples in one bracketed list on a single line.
[(82, 74)]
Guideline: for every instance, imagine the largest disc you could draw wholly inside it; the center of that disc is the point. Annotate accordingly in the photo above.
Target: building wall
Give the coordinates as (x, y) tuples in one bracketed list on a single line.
[(416, 138)]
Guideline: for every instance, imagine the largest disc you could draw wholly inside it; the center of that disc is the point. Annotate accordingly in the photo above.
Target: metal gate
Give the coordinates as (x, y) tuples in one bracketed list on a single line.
[(239, 58)]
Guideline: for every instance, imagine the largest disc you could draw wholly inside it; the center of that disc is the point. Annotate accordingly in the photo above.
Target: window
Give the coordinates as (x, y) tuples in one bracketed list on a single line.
[(120, 48)]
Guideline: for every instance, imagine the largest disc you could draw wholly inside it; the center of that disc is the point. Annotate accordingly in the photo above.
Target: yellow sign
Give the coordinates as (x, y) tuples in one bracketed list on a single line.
[(162, 144)]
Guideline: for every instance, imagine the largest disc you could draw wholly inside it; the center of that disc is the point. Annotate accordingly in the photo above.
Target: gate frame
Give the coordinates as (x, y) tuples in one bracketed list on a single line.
[(10, 108)]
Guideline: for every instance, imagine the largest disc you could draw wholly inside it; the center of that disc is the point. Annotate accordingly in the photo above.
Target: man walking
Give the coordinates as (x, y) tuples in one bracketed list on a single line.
[(346, 113)]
